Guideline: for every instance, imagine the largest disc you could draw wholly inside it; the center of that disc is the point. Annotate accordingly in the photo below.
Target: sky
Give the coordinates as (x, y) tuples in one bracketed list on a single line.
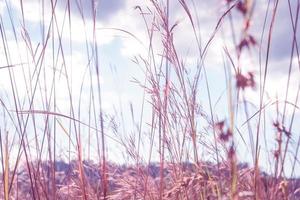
[(122, 37)]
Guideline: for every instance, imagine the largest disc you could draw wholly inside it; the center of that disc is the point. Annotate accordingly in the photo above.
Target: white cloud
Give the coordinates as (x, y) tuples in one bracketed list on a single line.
[(2, 6)]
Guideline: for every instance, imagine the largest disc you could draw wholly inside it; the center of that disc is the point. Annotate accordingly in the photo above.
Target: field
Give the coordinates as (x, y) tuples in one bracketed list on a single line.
[(149, 99)]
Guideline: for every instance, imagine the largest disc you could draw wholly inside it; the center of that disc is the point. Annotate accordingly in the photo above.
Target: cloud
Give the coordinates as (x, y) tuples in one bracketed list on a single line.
[(280, 51), (106, 9), (2, 6), (283, 31), (38, 16)]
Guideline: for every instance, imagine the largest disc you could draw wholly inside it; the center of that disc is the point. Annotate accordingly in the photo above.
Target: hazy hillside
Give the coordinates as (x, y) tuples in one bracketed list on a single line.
[(129, 182)]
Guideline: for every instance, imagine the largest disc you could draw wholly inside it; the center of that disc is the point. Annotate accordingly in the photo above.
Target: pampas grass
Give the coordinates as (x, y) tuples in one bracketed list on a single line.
[(179, 147)]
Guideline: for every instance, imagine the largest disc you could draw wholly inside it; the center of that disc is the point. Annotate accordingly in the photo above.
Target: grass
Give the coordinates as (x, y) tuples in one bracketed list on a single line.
[(57, 137)]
